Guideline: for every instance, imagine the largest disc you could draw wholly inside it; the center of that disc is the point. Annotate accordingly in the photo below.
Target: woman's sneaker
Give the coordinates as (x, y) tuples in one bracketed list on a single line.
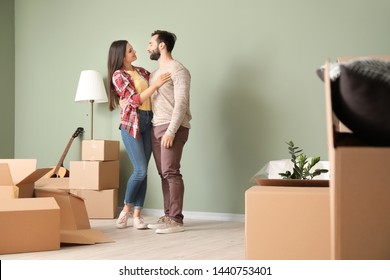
[(138, 223), (121, 222), (171, 226), (159, 224)]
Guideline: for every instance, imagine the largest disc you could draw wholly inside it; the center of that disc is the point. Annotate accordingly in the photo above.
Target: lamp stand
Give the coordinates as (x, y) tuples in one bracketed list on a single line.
[(92, 101)]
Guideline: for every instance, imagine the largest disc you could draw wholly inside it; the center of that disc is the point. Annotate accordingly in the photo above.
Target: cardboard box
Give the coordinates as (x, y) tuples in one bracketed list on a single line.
[(20, 168), (100, 150), (29, 225), (360, 203), (73, 211), (75, 226), (94, 175), (7, 188), (25, 186), (100, 204), (359, 192), (287, 223), (9, 192)]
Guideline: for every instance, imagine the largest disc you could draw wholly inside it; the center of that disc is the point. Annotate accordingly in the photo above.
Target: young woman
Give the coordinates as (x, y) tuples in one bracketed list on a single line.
[(130, 84)]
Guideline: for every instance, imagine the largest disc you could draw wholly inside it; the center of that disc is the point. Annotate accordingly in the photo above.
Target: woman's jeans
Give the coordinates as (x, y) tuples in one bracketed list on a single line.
[(139, 152)]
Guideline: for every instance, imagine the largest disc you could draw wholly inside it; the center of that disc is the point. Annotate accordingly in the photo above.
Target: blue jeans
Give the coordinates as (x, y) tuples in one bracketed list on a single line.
[(139, 152)]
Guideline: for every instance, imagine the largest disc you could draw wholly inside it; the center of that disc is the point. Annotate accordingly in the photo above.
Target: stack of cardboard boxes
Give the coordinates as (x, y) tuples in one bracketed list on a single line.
[(39, 213), (96, 177)]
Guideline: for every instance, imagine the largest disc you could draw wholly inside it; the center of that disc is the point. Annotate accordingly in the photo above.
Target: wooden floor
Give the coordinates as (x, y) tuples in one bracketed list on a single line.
[(202, 240)]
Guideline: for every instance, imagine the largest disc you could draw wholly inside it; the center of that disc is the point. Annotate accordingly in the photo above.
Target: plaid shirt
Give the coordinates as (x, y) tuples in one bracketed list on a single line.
[(124, 86)]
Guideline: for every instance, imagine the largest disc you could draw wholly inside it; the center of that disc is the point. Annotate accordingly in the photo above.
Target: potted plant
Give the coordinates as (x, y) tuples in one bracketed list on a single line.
[(302, 168), (302, 172)]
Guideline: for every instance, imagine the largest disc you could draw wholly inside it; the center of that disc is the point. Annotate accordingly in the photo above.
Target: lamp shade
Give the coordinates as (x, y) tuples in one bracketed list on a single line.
[(91, 87)]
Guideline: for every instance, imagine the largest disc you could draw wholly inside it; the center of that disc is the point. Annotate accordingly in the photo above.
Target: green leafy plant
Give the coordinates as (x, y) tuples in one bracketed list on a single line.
[(302, 166)]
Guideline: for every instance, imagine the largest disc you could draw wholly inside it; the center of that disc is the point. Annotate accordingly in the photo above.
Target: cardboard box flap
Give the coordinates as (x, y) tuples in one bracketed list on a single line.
[(29, 204), (9, 192), (26, 186), (84, 236), (35, 176), (73, 211), (47, 191), (20, 168), (53, 183), (5, 175)]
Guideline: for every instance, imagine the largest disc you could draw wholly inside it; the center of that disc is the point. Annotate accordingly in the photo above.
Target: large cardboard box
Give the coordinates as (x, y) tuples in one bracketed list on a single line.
[(100, 150), (94, 175), (100, 204), (29, 225), (287, 223), (360, 203), (75, 226), (359, 191)]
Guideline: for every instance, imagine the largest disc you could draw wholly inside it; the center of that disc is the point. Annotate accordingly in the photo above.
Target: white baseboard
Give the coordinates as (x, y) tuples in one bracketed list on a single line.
[(228, 217)]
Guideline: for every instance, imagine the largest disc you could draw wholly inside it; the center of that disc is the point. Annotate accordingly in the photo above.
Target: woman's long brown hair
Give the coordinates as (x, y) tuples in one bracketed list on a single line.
[(115, 61)]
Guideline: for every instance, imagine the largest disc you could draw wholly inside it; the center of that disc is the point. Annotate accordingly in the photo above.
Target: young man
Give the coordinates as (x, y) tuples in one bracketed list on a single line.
[(171, 124)]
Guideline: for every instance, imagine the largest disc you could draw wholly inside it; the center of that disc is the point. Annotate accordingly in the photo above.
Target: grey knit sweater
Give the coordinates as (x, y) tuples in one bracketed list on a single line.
[(171, 102)]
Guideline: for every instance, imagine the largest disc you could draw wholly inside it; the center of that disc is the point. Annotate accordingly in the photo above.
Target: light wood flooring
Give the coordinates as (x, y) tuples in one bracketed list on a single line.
[(201, 240)]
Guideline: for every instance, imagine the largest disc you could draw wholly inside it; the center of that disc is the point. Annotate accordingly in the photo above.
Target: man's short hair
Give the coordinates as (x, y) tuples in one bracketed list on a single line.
[(168, 38)]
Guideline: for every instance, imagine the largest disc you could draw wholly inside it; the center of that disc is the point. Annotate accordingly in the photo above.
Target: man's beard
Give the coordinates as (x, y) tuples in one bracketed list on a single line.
[(155, 55)]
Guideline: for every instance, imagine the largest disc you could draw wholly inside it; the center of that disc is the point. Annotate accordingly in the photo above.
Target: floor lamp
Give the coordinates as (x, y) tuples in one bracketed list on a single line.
[(91, 88)]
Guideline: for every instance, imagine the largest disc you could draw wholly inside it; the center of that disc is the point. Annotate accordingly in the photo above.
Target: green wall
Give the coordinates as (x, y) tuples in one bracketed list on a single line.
[(7, 78), (253, 79)]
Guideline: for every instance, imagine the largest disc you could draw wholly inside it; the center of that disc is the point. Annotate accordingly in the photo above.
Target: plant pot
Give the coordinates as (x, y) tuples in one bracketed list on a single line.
[(292, 182)]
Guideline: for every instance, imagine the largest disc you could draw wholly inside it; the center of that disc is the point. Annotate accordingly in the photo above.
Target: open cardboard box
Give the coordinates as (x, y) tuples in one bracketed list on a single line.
[(24, 188), (20, 168), (100, 204), (7, 187), (31, 224), (359, 190)]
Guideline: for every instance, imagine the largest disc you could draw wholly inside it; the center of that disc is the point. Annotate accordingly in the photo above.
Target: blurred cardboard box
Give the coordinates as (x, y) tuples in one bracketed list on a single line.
[(360, 191)]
